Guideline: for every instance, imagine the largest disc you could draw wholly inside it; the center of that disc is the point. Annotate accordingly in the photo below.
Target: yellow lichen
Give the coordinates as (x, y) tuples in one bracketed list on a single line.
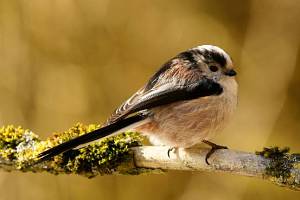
[(22, 147), (14, 140)]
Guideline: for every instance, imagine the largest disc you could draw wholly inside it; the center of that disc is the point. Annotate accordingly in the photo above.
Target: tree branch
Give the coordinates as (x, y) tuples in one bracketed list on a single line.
[(279, 168), (124, 155)]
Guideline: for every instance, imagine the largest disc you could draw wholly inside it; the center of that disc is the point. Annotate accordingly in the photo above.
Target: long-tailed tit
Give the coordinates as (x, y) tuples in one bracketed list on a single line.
[(187, 101)]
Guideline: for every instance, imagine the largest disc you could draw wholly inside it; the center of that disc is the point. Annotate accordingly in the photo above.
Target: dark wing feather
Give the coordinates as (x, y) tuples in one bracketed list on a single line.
[(167, 86), (173, 93), (120, 112)]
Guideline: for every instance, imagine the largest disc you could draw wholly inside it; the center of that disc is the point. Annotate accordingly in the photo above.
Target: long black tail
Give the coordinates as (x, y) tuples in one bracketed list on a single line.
[(89, 137)]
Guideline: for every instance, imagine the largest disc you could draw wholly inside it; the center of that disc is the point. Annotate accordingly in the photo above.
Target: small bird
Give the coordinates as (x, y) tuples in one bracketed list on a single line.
[(186, 102)]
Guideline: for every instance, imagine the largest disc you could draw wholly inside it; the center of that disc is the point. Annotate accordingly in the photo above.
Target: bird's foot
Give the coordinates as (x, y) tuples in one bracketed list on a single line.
[(171, 149), (214, 147)]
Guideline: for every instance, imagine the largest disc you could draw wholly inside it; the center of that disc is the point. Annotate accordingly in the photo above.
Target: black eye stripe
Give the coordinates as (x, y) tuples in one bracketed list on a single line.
[(213, 68)]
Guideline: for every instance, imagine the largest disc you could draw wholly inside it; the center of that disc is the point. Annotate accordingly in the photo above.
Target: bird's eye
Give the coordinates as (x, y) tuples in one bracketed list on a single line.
[(213, 68)]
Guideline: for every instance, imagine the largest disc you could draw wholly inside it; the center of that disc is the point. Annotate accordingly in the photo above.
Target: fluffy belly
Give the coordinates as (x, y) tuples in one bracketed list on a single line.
[(186, 123)]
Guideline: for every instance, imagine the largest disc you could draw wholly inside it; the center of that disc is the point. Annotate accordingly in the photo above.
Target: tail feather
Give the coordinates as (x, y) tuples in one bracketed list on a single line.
[(89, 137)]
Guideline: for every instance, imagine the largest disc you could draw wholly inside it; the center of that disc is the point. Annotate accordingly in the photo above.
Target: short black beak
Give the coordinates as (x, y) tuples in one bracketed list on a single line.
[(230, 72)]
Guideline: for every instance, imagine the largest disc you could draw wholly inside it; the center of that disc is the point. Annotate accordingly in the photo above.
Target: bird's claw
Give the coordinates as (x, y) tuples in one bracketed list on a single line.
[(214, 147), (171, 149)]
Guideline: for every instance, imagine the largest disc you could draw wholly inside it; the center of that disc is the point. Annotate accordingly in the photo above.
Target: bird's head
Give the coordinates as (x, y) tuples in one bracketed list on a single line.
[(213, 62)]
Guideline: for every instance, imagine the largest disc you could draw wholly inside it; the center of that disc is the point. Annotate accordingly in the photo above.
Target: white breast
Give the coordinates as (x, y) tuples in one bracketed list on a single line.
[(186, 123)]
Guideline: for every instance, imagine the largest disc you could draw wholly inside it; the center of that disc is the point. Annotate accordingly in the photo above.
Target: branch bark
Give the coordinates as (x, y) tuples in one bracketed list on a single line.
[(153, 159), (223, 160), (123, 154)]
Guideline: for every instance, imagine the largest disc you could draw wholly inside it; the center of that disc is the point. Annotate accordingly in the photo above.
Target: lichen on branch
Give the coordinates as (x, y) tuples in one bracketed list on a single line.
[(281, 165), (21, 147)]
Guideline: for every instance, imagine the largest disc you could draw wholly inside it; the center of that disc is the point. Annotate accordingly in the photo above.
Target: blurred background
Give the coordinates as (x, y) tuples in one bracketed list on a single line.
[(68, 61)]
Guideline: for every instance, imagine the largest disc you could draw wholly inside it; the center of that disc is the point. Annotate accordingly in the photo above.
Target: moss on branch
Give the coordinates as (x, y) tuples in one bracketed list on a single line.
[(108, 156)]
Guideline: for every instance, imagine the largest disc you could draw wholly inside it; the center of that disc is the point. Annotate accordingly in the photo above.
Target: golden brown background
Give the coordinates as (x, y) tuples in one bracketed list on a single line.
[(64, 61)]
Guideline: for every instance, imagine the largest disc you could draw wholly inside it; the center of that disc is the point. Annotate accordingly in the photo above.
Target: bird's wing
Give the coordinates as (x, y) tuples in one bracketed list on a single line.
[(166, 87)]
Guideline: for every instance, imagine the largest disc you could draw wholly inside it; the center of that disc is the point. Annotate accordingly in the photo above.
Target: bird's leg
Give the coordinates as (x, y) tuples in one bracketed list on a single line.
[(214, 147), (171, 149)]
